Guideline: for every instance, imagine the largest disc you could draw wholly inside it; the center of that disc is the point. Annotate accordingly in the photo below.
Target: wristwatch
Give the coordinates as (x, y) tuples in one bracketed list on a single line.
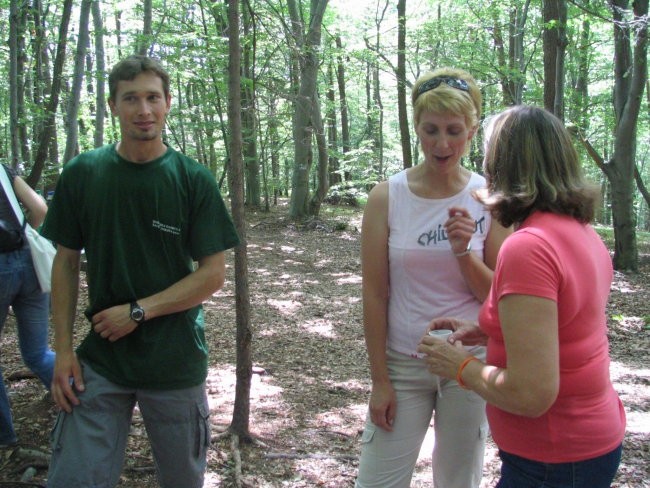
[(137, 313)]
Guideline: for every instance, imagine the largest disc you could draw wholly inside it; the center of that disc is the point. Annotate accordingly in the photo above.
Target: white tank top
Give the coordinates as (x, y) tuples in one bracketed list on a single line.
[(425, 278)]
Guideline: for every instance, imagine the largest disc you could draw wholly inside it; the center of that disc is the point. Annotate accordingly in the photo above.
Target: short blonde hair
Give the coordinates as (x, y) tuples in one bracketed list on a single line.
[(445, 98)]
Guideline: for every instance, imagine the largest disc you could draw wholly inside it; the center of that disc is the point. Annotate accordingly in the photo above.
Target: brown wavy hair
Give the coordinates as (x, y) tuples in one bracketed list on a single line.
[(531, 165), (132, 66)]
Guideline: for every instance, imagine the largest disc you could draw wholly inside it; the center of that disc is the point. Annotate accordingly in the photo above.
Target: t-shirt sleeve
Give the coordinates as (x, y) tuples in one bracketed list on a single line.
[(527, 265), (62, 220), (212, 229)]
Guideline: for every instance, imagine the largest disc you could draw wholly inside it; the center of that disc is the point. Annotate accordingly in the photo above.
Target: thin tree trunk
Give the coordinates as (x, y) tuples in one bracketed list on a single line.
[(241, 413), (13, 82), (378, 110), (560, 50), (249, 122), (23, 136), (580, 107), (147, 28), (100, 98), (53, 103), (517, 64), (220, 20), (402, 111), (180, 104), (332, 133), (343, 102), (274, 145), (71, 147)]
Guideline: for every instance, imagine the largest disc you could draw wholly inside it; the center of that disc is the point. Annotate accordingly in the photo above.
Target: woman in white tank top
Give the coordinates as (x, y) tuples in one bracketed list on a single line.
[(428, 250)]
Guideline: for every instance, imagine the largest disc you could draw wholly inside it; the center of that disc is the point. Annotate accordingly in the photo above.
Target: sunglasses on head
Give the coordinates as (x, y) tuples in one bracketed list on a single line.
[(447, 80)]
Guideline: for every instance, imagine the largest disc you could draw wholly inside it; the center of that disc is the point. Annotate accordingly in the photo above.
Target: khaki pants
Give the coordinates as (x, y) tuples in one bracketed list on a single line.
[(88, 444), (460, 426)]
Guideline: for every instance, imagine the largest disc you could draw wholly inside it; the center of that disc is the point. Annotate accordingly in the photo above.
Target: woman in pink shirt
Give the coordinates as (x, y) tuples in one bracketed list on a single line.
[(552, 409)]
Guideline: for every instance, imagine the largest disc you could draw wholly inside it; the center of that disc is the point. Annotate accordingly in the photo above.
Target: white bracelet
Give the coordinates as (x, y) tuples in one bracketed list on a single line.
[(465, 252)]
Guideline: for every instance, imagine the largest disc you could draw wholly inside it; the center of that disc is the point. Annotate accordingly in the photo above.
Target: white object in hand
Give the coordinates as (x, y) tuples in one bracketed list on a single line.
[(440, 334)]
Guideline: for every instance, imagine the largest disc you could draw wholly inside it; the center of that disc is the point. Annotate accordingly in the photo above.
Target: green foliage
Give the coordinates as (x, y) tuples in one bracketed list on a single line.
[(191, 40)]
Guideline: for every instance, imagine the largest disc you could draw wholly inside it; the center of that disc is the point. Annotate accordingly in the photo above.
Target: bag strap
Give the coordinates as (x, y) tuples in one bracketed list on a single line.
[(11, 195)]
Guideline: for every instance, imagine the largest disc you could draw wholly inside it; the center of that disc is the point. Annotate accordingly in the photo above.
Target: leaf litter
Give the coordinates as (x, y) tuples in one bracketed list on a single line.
[(310, 380)]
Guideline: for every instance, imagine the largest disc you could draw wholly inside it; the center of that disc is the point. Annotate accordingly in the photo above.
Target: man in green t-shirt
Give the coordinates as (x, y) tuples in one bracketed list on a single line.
[(143, 213)]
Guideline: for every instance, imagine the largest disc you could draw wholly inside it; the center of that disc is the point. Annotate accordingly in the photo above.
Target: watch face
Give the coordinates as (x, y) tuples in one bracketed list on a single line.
[(137, 314)]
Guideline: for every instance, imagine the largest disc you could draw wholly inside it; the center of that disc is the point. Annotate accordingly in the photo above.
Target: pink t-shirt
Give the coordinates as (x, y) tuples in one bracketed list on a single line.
[(558, 258)]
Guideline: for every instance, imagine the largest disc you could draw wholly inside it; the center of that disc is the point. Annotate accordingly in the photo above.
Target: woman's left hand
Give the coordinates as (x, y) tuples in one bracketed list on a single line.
[(442, 358)]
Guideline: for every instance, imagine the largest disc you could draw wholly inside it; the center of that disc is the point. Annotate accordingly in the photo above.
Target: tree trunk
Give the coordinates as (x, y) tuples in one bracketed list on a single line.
[(370, 116), (303, 125), (220, 19), (144, 43), (195, 97), (23, 136), (516, 61), (555, 42), (241, 412), (332, 133), (249, 120), (180, 105), (378, 108), (402, 111), (41, 75), (13, 82), (631, 73), (274, 145), (511, 63), (100, 97), (53, 103), (580, 105), (340, 78), (323, 162), (118, 32), (642, 187), (560, 50), (71, 144)]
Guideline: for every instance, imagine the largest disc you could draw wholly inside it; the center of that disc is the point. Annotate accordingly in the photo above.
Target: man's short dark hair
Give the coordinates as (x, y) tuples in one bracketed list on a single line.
[(129, 68)]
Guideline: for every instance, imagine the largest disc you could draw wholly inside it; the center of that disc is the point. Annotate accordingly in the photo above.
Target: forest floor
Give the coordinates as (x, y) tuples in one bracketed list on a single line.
[(310, 384)]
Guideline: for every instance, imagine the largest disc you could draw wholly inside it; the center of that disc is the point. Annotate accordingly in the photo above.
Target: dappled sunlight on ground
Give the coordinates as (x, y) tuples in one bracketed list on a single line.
[(319, 327), (284, 306), (348, 279), (637, 401)]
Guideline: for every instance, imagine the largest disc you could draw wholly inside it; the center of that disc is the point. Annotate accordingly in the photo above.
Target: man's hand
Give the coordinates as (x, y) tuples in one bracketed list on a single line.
[(114, 323), (66, 379)]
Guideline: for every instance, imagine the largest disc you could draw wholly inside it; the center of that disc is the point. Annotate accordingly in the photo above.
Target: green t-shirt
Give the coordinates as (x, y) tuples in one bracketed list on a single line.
[(141, 226)]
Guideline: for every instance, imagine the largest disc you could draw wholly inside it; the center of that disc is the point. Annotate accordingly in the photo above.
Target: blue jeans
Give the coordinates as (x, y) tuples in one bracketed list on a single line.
[(518, 472), (19, 289)]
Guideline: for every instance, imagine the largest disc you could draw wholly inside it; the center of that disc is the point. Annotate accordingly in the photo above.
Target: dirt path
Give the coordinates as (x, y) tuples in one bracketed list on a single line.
[(309, 393)]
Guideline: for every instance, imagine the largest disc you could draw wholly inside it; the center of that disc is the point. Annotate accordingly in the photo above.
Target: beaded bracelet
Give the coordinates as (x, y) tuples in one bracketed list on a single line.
[(459, 378)]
